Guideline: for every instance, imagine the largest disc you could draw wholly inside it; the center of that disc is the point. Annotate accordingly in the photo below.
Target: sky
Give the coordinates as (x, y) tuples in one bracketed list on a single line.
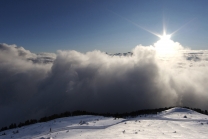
[(86, 25), (53, 57)]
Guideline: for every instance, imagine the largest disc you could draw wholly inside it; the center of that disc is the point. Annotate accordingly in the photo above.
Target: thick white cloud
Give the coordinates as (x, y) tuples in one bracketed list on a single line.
[(34, 85)]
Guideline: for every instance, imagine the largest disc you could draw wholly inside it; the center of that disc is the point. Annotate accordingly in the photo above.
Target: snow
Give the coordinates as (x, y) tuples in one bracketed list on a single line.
[(173, 123), (179, 113)]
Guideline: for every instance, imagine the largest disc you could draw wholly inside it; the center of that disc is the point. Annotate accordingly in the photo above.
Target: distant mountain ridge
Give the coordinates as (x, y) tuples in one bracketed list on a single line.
[(190, 55), (121, 54)]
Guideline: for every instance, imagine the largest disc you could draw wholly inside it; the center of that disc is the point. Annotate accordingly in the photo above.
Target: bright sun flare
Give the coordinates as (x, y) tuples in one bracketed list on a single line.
[(165, 46), (165, 37)]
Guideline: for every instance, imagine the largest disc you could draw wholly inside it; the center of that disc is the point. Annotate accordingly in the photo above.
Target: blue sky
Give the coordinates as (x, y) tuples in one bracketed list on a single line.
[(86, 25)]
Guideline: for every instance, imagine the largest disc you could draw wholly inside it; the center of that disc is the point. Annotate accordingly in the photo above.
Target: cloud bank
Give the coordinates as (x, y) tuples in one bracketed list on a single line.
[(37, 85)]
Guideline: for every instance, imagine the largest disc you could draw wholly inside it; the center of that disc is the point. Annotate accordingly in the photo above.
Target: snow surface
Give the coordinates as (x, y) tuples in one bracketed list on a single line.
[(173, 123)]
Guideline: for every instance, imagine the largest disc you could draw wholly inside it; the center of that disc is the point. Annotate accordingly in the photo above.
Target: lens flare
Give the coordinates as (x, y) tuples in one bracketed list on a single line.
[(165, 46)]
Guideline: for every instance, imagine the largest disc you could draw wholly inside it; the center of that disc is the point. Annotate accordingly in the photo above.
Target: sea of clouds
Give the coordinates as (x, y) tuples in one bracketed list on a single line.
[(36, 85)]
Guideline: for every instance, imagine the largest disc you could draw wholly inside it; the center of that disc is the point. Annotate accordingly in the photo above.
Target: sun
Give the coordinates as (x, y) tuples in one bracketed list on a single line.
[(165, 37), (165, 46)]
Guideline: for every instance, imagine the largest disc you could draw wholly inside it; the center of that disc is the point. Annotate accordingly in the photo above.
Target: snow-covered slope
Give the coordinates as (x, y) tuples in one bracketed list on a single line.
[(173, 123), (182, 113)]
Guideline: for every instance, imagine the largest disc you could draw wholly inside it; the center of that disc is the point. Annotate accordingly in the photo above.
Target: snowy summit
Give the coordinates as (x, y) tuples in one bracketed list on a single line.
[(173, 123)]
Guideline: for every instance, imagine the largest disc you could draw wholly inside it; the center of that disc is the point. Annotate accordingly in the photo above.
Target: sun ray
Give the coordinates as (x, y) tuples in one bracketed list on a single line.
[(164, 46), (158, 35), (182, 26), (137, 25)]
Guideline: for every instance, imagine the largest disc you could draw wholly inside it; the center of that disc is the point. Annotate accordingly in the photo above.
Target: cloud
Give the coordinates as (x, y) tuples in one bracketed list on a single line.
[(36, 85)]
